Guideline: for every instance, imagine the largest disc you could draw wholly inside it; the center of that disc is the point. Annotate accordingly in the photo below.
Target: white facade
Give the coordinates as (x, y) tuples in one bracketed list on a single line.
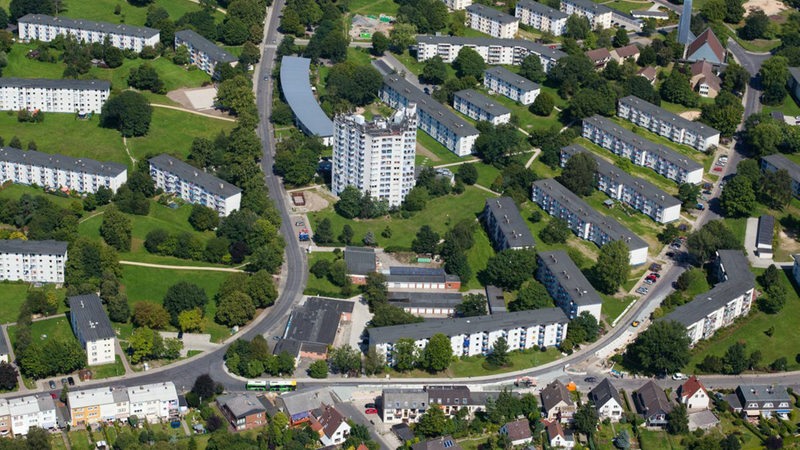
[(664, 123), (491, 21), (202, 52), (375, 157), (541, 17), (336, 437), (457, 4), (33, 261), (493, 51), (194, 185), (511, 85), (58, 171), (39, 27), (50, 95), (31, 411), (697, 400), (100, 351), (478, 107), (610, 410), (599, 16), (153, 402)]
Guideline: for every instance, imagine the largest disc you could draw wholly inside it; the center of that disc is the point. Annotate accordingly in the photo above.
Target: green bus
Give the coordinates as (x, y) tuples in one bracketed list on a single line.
[(271, 386)]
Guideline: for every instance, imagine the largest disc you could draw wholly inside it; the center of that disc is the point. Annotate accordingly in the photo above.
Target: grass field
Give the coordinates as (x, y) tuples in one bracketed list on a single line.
[(57, 327), (442, 154), (789, 107), (144, 284), (477, 257), (109, 370), (173, 131), (527, 120), (626, 7), (640, 224), (473, 365), (487, 173), (13, 295), (15, 191), (613, 307), (373, 7)]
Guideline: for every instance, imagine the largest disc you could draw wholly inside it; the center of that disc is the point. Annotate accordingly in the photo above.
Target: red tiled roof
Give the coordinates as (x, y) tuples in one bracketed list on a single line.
[(707, 37), (554, 429), (691, 386)]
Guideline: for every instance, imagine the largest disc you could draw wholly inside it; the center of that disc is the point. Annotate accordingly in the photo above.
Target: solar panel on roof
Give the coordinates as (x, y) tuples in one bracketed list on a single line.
[(448, 443)]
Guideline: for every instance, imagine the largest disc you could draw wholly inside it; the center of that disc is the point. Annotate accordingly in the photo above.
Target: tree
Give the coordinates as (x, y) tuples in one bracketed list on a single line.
[(755, 25), (380, 43), (204, 386), (324, 232), (687, 194), (776, 189), (118, 309), (468, 174), (356, 84), (641, 87), (345, 360), (128, 112), (578, 27), (662, 348), (725, 114), (734, 11), (437, 354), (738, 198), (588, 102), (203, 218), (191, 320), (434, 71), (261, 289), (236, 96), (678, 420), (116, 229), (621, 38), (510, 268), (18, 8), (235, 309), (432, 423), (145, 77), (349, 204), (469, 63), (184, 296), (779, 365), (496, 144), (405, 354), (677, 89), (498, 357), (586, 418), (730, 442), (402, 36), (714, 235), (347, 234), (532, 295), (144, 344), (735, 78), (250, 55), (583, 328), (8, 376), (151, 315), (531, 68), (318, 369), (612, 268), (543, 105), (472, 305), (774, 75), (426, 240)]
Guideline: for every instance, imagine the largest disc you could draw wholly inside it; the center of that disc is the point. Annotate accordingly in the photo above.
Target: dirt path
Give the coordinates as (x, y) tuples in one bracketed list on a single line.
[(168, 267), (127, 150), (191, 111), (427, 153), (217, 8)]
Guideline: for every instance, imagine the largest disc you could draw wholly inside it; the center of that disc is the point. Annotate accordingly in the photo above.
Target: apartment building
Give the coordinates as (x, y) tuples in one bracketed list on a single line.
[(492, 21), (457, 4), (541, 17), (375, 157), (92, 328), (470, 336), (299, 94), (633, 191), (456, 134), (427, 278), (567, 285), (40, 27), (775, 162), (599, 16), (58, 172), (33, 261), (729, 299), (640, 151), (203, 53), (5, 351), (505, 226), (91, 406), (51, 95), (32, 411), (243, 411), (507, 83), (479, 107), (194, 185), (669, 125), (584, 220), (493, 51), (403, 405), (5, 419), (154, 402)]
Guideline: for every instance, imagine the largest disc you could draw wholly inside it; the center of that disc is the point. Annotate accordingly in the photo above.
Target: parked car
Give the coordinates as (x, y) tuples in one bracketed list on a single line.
[(648, 281), (52, 384), (371, 411), (635, 323), (655, 267), (642, 290), (679, 376), (71, 381), (370, 406), (670, 254), (653, 274), (590, 379), (700, 206)]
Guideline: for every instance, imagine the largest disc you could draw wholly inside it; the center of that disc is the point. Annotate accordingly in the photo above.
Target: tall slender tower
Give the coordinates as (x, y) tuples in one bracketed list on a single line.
[(685, 25), (375, 157)]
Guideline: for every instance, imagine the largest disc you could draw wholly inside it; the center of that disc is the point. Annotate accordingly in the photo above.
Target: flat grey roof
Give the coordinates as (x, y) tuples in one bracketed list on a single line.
[(795, 73), (316, 320), (766, 230), (430, 299), (466, 325), (511, 78), (763, 393), (648, 13), (51, 83), (509, 220), (214, 52), (197, 176), (490, 13), (89, 316), (783, 163), (630, 137), (401, 274), (570, 277), (495, 299), (83, 24), (241, 405), (609, 170), (3, 344), (483, 102), (531, 46), (739, 280), (359, 260), (48, 247), (590, 6), (426, 103), (663, 115), (296, 89), (576, 205), (61, 162), (542, 9)]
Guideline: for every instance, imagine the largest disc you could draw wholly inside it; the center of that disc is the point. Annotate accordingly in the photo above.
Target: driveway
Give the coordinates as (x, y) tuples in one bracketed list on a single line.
[(192, 341), (750, 244)]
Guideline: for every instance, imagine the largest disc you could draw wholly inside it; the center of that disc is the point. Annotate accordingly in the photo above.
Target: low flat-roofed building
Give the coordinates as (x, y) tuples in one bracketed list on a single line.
[(428, 278), (650, 14), (492, 21), (541, 17), (495, 300), (33, 261), (775, 162), (194, 185), (507, 83), (766, 231), (667, 124), (505, 226), (243, 411), (93, 329), (427, 304), (493, 51), (585, 221), (313, 326), (567, 285), (296, 88), (360, 262), (203, 53), (479, 107)]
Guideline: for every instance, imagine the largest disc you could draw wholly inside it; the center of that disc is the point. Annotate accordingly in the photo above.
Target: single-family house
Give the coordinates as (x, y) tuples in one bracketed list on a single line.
[(652, 404), (557, 402), (693, 394), (518, 432), (606, 401)]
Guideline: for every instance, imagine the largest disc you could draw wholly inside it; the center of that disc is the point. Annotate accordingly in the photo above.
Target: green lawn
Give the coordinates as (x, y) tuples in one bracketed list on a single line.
[(109, 370), (643, 172), (627, 7), (441, 154), (150, 285), (477, 257), (57, 327), (583, 253), (487, 173), (750, 330), (321, 286), (652, 137), (658, 439), (613, 307), (16, 191), (789, 107), (640, 224), (373, 7), (57, 442), (527, 120), (13, 296), (360, 56), (440, 213), (472, 366), (80, 440), (173, 131)]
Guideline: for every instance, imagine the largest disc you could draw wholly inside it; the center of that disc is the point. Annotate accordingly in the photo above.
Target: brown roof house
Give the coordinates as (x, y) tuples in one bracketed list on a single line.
[(333, 429), (693, 394), (621, 54), (649, 73), (518, 432), (599, 57), (704, 80), (556, 436), (706, 47), (243, 411), (652, 403), (557, 402)]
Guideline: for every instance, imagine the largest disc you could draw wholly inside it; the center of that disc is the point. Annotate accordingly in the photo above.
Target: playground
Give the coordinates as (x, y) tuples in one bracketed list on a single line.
[(363, 27)]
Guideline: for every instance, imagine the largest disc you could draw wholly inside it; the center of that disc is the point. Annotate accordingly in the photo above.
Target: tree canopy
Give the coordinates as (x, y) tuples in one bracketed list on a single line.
[(661, 349), (128, 112)]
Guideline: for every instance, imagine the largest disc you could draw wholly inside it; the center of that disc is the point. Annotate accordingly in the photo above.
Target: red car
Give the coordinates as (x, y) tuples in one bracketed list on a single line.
[(370, 411)]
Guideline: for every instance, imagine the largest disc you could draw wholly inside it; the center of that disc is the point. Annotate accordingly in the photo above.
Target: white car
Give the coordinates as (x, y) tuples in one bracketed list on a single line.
[(680, 376)]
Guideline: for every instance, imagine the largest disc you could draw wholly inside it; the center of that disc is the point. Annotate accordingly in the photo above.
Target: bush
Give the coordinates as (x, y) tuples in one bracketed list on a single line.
[(543, 105)]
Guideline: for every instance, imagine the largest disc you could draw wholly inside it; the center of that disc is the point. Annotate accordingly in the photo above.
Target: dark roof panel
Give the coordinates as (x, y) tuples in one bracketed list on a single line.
[(296, 89), (766, 229), (61, 162), (90, 318), (192, 174), (51, 83), (215, 53), (507, 217), (91, 25)]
